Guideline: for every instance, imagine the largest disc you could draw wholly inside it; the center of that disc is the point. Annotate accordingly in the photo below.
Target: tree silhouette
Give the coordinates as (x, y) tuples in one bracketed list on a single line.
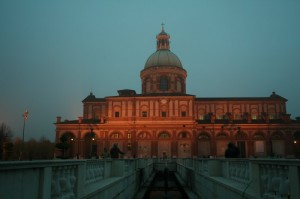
[(6, 146), (63, 145)]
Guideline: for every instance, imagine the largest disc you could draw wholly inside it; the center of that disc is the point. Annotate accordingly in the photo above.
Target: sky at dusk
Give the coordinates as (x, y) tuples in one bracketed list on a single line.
[(54, 53)]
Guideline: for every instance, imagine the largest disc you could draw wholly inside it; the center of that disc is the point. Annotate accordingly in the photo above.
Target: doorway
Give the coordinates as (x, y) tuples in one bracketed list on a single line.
[(164, 149), (242, 147)]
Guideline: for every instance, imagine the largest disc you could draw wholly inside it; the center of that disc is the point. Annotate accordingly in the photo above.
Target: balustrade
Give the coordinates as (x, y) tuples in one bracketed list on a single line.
[(239, 171), (274, 181), (68, 179), (63, 182), (247, 178), (94, 171)]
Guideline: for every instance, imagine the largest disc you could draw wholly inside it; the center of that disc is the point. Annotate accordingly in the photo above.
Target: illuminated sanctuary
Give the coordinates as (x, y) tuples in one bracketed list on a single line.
[(164, 121)]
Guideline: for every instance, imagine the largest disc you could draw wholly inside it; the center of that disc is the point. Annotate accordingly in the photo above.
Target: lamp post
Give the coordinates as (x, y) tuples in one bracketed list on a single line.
[(25, 116), (92, 136)]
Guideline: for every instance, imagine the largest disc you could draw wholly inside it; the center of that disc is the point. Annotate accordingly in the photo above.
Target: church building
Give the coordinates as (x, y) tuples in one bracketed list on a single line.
[(164, 121)]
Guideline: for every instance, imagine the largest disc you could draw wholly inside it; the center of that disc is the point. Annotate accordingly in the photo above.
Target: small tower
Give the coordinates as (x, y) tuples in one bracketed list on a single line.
[(163, 40)]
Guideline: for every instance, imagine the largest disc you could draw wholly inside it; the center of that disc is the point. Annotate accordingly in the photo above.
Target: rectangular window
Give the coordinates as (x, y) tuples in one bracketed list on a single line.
[(200, 117), (237, 116), (129, 135), (183, 114), (219, 117), (164, 114), (144, 113), (259, 147), (117, 114), (254, 117)]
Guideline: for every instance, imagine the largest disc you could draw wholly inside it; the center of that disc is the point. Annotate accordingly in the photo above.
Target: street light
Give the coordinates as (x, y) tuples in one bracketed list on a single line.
[(25, 116), (92, 138)]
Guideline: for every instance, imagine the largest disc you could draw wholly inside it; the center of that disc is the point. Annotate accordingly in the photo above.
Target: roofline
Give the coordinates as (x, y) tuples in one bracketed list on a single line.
[(239, 98)]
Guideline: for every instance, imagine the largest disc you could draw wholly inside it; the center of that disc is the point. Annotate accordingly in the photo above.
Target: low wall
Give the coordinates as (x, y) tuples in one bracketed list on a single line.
[(122, 178), (241, 178), (59, 179)]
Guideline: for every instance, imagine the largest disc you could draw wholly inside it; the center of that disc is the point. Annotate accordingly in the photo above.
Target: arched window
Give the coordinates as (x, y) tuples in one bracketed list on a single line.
[(219, 114), (164, 135), (237, 114), (163, 83), (272, 114), (221, 135), (254, 114), (201, 114), (258, 136), (203, 136)]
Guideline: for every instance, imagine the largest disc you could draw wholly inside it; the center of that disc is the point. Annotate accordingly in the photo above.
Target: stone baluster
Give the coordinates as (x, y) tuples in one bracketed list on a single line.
[(284, 186), (275, 182), (239, 171), (94, 171), (55, 186)]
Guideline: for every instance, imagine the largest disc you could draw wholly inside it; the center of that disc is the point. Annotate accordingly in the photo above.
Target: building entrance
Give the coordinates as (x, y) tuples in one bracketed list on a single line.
[(184, 149), (204, 149), (164, 149)]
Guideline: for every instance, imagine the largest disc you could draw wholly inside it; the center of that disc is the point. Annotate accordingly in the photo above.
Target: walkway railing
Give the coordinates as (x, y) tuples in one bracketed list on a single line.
[(122, 178), (68, 179), (241, 178)]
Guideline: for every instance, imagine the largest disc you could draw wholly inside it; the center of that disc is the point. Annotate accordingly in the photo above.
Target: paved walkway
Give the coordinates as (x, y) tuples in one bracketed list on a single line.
[(165, 185)]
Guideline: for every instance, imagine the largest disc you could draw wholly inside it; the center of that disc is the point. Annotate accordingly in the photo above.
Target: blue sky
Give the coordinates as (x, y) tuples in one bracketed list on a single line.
[(54, 53)]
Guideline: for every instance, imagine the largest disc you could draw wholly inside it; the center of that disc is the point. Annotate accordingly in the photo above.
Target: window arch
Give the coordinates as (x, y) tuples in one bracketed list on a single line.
[(144, 135), (222, 135), (277, 135), (219, 114), (67, 136), (184, 135), (204, 136), (258, 136), (164, 135)]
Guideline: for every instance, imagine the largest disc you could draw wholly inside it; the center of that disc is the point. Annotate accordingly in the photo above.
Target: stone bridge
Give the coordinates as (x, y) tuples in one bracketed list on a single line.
[(126, 178)]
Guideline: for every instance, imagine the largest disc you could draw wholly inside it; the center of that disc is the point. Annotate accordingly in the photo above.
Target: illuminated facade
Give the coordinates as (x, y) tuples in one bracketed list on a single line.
[(164, 121)]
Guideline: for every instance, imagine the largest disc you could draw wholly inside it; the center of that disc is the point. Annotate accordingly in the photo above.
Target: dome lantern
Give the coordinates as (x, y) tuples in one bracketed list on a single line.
[(163, 40)]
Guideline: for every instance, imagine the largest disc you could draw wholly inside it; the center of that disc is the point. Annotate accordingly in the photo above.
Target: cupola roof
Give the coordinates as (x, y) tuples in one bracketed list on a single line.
[(163, 57)]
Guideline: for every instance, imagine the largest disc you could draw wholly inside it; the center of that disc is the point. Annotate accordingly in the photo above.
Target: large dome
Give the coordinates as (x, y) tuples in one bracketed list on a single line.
[(163, 58)]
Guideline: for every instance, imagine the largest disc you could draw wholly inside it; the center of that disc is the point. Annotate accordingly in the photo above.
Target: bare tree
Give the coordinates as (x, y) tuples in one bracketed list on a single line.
[(6, 146), (43, 149)]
